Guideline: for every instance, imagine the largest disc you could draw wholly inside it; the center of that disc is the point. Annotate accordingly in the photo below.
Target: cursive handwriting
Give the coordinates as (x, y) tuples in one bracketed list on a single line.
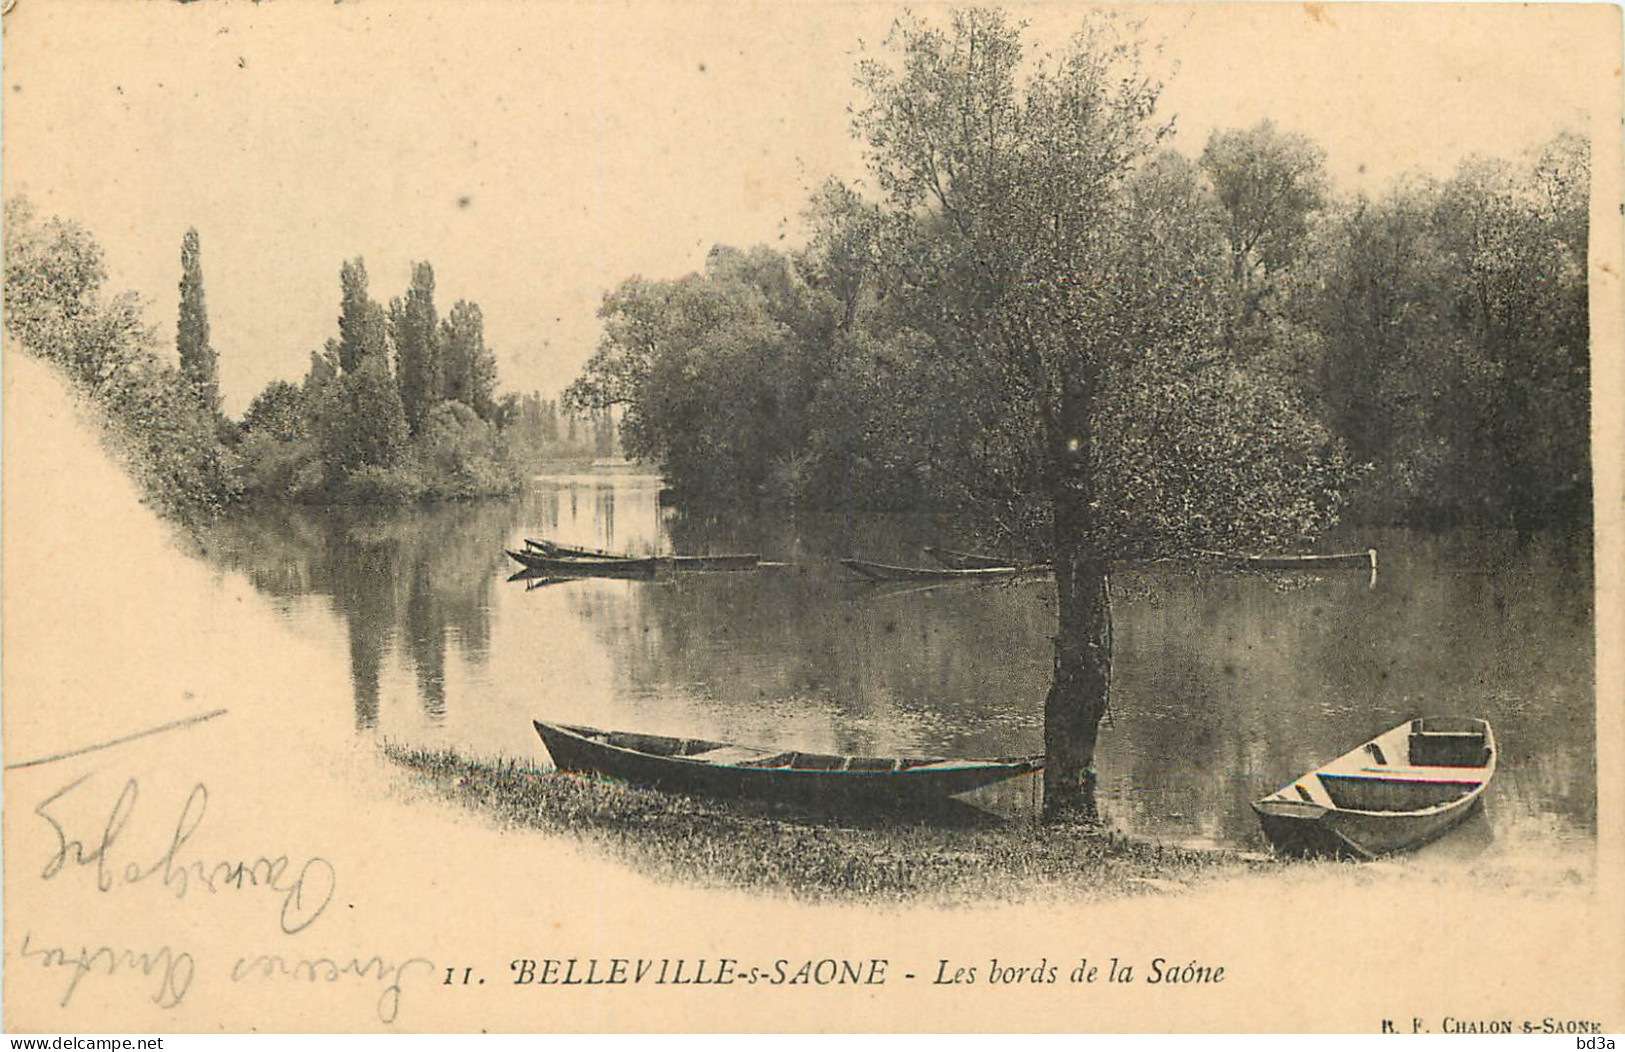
[(326, 969), (305, 891), (174, 970)]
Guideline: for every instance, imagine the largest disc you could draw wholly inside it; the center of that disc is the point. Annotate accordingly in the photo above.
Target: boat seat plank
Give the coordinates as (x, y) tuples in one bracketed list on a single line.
[(730, 754), (777, 759), (1411, 774), (870, 763)]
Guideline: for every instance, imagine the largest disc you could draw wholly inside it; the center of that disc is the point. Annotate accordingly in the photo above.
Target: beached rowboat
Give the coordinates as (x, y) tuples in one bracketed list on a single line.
[(1398, 791), (694, 765)]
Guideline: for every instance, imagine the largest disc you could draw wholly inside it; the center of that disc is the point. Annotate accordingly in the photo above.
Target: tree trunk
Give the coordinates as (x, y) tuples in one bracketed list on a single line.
[(1078, 692)]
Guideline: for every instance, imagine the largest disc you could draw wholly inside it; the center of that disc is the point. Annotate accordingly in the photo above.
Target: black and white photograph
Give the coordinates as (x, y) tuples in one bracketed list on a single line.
[(812, 517)]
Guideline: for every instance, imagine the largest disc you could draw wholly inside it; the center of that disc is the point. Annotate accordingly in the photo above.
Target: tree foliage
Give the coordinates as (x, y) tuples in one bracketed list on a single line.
[(280, 411), (415, 327), (363, 330), (360, 422), (345, 433), (1269, 185), (199, 362), (470, 367), (156, 424), (1453, 332)]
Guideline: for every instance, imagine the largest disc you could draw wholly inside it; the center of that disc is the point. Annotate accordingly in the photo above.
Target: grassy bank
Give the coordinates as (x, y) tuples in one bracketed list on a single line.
[(956, 855)]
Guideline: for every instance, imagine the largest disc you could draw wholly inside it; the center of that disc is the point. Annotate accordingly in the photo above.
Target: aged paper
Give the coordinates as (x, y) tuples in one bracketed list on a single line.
[(201, 833)]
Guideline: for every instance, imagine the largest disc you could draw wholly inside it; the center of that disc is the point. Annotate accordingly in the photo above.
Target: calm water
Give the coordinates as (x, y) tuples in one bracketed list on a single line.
[(1225, 687)]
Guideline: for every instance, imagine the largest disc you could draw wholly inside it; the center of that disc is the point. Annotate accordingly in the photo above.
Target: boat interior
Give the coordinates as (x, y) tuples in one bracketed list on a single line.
[(723, 753), (1416, 767), (1441, 742)]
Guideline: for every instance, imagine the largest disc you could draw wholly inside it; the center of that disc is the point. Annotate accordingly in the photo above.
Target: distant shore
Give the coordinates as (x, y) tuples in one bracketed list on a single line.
[(816, 857)]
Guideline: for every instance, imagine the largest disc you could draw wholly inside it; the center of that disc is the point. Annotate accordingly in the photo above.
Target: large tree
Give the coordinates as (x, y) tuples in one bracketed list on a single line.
[(1269, 184), (363, 333), (199, 363), (1028, 323), (1031, 249), (415, 326), (470, 368), (710, 371), (1452, 329), (360, 422)]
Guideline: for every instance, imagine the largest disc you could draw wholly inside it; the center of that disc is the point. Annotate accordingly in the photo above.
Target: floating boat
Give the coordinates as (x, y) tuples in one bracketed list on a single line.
[(534, 579), (1398, 791), (585, 566), (565, 551), (953, 560), (694, 765), (965, 560), (884, 572), (714, 562), (1366, 560), (676, 562)]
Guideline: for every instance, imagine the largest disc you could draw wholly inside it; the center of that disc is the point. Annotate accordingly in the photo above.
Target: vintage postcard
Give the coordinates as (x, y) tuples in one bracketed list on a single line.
[(812, 517)]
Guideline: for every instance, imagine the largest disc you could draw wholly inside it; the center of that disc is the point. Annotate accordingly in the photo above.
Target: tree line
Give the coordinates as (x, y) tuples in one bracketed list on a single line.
[(1037, 315), (1428, 344), (401, 405)]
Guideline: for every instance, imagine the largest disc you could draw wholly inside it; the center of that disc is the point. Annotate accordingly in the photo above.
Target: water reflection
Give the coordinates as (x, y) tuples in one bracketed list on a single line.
[(1225, 686), (420, 580)]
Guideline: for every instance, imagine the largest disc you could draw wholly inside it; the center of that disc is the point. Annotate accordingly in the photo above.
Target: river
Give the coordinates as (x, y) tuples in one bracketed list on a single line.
[(1224, 686)]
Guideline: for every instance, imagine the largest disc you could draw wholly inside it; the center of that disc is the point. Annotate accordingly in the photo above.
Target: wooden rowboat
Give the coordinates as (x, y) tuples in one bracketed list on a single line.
[(694, 765), (1341, 560), (676, 562), (885, 572), (953, 560), (567, 551), (1366, 560), (586, 566), (714, 562), (1398, 791)]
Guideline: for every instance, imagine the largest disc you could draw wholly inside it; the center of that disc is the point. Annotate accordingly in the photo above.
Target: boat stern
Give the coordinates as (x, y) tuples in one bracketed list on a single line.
[(1300, 828)]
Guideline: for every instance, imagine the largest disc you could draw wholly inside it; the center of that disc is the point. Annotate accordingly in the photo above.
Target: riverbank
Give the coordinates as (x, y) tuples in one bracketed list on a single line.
[(963, 855)]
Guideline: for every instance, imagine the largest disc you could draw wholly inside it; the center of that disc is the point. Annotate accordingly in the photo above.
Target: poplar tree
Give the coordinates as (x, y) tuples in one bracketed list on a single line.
[(199, 363), (418, 366), (469, 369), (362, 329)]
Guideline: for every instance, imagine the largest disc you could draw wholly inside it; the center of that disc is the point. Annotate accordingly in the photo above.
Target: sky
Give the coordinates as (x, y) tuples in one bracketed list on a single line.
[(539, 153)]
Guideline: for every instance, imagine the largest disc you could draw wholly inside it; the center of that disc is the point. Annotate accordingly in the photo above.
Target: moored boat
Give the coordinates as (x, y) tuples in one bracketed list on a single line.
[(585, 566), (1398, 791), (695, 765), (954, 560), (565, 551), (677, 562), (1366, 560), (886, 572), (714, 562)]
